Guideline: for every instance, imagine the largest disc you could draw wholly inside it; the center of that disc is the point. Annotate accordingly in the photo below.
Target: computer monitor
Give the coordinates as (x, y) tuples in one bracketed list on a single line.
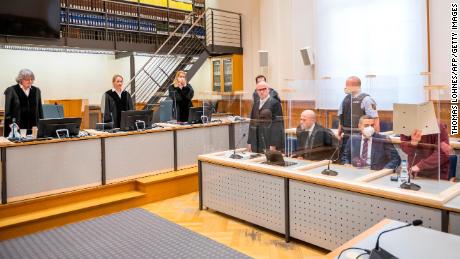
[(53, 127), (134, 120), (196, 114)]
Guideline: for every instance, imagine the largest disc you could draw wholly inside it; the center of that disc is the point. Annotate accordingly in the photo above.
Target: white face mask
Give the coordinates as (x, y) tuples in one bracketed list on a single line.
[(368, 131)]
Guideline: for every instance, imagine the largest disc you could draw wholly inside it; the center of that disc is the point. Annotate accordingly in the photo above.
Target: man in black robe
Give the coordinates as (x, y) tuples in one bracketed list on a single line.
[(266, 129), (115, 101), (23, 103)]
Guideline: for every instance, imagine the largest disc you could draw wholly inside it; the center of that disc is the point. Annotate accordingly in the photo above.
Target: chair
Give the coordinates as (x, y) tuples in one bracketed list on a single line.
[(452, 166), (53, 111), (166, 110)]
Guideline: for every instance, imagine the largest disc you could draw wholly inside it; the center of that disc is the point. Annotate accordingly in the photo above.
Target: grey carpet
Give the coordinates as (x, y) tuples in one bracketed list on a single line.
[(134, 233)]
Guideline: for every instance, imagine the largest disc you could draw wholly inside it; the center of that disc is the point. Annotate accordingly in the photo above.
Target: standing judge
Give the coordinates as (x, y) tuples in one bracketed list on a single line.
[(181, 93), (23, 102), (116, 100), (266, 129)]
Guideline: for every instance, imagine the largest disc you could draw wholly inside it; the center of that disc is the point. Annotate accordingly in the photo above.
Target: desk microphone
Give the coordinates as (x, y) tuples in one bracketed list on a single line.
[(408, 185), (380, 253), (235, 155), (328, 171)]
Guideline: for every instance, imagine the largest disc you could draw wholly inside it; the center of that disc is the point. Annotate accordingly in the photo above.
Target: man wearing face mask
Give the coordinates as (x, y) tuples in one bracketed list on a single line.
[(354, 105), (370, 149)]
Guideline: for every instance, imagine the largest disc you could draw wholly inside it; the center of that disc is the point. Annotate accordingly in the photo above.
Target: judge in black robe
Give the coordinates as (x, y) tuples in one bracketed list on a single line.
[(23, 103), (181, 93), (115, 101), (266, 129)]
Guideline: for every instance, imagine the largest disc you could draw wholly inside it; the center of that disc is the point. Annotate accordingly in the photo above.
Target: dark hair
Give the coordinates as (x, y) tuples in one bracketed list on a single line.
[(261, 76)]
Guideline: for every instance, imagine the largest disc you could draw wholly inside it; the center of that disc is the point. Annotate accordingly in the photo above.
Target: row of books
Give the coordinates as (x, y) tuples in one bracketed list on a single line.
[(99, 20), (94, 5), (87, 34), (152, 13)]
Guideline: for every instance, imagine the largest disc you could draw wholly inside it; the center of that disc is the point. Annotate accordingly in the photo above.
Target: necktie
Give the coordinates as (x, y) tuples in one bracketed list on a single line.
[(364, 154)]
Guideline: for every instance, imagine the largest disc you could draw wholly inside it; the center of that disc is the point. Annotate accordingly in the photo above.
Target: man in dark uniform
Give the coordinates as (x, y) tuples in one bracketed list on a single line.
[(115, 101), (23, 103), (354, 105), (266, 129)]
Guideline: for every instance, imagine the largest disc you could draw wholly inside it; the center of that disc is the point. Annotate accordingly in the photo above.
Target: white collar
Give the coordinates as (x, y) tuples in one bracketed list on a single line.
[(119, 93), (24, 90), (311, 128), (264, 100)]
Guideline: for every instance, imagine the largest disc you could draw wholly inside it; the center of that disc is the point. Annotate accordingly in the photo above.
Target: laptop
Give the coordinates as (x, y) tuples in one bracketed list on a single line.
[(276, 158)]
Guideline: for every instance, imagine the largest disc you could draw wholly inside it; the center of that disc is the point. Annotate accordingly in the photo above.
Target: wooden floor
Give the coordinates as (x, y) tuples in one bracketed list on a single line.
[(244, 237)]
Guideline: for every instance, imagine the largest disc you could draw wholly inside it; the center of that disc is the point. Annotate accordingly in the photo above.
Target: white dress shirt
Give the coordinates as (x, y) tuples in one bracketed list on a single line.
[(262, 102), (119, 93), (27, 92)]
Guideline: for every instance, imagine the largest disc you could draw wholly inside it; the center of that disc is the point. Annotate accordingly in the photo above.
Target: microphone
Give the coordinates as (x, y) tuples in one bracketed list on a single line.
[(235, 155), (380, 253), (408, 185), (328, 171)]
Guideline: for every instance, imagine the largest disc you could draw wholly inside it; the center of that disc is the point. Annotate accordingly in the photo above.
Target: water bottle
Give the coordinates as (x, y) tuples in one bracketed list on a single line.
[(404, 175)]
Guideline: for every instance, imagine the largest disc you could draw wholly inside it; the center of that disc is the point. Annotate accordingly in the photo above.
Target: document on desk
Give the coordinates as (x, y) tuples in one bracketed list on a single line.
[(409, 117)]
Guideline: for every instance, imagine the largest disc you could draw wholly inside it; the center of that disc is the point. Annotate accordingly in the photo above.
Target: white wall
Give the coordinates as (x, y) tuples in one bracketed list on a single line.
[(440, 39), (249, 10), (63, 75)]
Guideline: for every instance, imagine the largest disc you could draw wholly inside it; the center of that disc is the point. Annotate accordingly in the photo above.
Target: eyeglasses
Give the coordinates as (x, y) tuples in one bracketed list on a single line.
[(261, 89)]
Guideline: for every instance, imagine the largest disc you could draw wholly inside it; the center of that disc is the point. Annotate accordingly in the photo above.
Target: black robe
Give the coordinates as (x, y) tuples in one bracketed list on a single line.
[(183, 101), (267, 126), (114, 105), (27, 110)]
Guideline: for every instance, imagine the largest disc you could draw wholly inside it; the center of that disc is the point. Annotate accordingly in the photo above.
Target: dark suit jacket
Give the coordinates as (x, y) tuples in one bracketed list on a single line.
[(13, 107), (265, 132), (320, 145), (383, 153)]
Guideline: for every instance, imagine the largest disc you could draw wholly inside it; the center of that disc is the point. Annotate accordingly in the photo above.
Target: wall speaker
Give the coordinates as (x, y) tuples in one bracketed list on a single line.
[(307, 56), (263, 58)]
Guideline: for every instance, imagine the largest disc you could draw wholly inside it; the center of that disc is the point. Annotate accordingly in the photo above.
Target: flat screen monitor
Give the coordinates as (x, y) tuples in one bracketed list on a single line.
[(196, 114), (129, 120), (30, 18), (53, 127)]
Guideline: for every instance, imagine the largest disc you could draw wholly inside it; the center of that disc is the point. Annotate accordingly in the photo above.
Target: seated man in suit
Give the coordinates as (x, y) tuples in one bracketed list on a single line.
[(370, 149), (313, 141)]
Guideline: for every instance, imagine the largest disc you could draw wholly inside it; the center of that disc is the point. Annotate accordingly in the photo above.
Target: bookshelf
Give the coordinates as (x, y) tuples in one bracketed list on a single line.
[(121, 25)]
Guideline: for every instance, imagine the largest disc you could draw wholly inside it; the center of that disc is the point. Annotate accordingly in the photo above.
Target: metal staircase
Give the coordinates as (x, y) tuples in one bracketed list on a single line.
[(184, 49)]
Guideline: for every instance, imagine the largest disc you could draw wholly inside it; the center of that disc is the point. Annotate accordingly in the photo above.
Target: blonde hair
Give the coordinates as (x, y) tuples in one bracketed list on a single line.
[(116, 76), (178, 73)]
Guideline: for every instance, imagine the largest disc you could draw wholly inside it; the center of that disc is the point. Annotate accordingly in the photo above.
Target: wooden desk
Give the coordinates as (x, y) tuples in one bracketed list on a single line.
[(326, 211), (38, 168), (411, 242)]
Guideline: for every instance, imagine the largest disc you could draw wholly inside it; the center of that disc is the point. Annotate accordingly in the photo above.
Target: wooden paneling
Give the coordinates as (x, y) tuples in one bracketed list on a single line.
[(74, 108)]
